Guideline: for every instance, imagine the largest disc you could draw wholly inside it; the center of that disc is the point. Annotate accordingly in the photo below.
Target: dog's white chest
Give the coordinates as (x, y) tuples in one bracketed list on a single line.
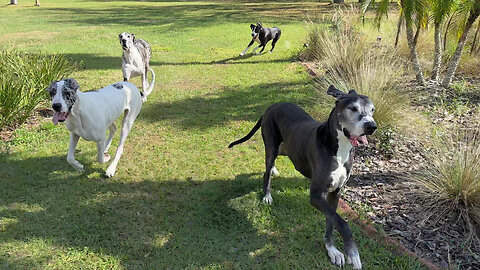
[(339, 175)]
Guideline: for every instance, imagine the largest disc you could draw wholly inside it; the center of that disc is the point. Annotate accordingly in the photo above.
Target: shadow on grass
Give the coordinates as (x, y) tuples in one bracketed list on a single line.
[(148, 224), (183, 16), (229, 104), (97, 62)]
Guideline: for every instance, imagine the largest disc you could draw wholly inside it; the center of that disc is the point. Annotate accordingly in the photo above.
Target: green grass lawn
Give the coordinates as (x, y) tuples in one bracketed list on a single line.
[(180, 198)]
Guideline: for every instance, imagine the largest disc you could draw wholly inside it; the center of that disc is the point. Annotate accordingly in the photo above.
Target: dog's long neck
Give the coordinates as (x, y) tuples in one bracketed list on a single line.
[(128, 54), (337, 141), (74, 117)]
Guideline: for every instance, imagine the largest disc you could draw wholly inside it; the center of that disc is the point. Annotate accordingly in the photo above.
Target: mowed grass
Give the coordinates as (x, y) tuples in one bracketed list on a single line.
[(180, 198)]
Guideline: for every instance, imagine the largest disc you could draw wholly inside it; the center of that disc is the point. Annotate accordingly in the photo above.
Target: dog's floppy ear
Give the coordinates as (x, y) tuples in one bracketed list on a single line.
[(120, 38), (52, 88), (259, 24), (252, 26), (332, 91), (72, 83), (352, 92), (133, 37)]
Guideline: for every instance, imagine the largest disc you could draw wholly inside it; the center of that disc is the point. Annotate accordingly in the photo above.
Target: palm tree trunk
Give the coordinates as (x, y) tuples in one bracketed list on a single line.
[(446, 32), (437, 59), (37, 3), (453, 64), (474, 44), (417, 33), (414, 55), (399, 28), (13, 2)]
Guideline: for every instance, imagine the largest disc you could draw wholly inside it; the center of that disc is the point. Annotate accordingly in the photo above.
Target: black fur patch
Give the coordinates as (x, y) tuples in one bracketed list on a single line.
[(52, 89), (118, 85)]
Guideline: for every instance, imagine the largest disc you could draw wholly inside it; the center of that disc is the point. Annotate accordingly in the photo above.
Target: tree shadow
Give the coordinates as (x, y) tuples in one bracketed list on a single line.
[(152, 223), (184, 16), (229, 104)]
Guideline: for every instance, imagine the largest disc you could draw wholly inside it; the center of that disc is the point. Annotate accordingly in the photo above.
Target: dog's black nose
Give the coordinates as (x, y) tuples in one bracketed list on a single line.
[(56, 107), (370, 127)]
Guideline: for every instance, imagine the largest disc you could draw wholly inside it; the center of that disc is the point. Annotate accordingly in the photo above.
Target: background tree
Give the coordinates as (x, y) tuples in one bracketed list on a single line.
[(13, 2), (473, 10)]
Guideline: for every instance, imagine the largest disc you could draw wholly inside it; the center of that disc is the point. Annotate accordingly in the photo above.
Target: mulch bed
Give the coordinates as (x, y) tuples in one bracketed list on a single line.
[(385, 185)]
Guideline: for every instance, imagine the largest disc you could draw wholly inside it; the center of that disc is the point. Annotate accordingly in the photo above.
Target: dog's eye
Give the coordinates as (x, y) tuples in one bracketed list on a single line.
[(353, 109)]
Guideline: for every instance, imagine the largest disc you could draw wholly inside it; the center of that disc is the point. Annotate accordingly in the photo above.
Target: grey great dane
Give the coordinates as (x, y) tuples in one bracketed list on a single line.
[(321, 152)]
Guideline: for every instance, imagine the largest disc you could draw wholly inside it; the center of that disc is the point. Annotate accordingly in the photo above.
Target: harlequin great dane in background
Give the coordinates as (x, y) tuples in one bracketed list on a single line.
[(136, 61)]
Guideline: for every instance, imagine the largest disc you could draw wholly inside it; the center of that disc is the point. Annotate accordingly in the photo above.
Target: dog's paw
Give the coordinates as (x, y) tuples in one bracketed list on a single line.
[(242, 54), (274, 172), (269, 51), (144, 98), (268, 199), (76, 165), (336, 257), (110, 172), (354, 261), (106, 157)]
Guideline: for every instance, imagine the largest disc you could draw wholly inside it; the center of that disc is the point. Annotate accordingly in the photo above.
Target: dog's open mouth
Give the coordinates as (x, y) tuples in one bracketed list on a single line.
[(356, 140), (59, 117)]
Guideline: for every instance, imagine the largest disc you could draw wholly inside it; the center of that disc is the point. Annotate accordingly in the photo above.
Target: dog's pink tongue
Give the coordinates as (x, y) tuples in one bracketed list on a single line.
[(363, 139), (355, 141), (55, 118)]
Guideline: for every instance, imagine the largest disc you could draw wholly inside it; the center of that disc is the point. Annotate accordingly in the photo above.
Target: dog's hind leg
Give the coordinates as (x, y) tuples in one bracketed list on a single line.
[(71, 152), (272, 142), (126, 126), (274, 42)]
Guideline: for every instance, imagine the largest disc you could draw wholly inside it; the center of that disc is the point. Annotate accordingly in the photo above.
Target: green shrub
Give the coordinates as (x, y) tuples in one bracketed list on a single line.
[(350, 61), (23, 79), (452, 179)]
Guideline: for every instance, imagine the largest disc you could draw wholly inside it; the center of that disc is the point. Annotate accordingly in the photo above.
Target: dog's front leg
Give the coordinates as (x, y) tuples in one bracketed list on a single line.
[(71, 152), (319, 198), (248, 47), (127, 70)]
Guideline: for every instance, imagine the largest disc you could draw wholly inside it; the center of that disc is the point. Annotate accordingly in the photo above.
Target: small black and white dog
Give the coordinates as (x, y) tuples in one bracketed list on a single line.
[(263, 35)]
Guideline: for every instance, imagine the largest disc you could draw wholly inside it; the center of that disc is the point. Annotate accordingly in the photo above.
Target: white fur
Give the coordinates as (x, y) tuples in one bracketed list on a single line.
[(339, 175), (96, 111), (58, 97), (274, 172), (355, 261), (268, 199), (133, 65), (335, 255)]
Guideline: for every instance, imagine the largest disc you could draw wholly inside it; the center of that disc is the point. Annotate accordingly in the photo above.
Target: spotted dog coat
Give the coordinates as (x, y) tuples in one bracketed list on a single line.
[(263, 35), (136, 61), (90, 114)]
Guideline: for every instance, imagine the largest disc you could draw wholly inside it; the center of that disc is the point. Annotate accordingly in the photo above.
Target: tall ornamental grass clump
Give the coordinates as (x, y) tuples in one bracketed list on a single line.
[(452, 180), (23, 79), (350, 61)]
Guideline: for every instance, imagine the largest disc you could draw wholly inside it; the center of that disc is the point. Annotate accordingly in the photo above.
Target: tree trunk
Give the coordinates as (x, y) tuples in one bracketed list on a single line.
[(13, 2), (417, 33), (453, 64), (338, 1), (437, 58), (399, 28), (474, 44), (414, 55), (37, 3), (446, 32)]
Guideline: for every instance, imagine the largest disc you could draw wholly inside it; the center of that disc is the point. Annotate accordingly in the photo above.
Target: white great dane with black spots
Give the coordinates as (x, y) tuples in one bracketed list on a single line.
[(90, 114), (136, 61)]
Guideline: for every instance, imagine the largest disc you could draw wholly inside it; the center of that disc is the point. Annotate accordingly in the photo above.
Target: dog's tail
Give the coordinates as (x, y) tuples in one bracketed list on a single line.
[(249, 135), (150, 87)]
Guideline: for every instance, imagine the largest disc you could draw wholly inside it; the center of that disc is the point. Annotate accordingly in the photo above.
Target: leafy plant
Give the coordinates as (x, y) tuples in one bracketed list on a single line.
[(23, 79)]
